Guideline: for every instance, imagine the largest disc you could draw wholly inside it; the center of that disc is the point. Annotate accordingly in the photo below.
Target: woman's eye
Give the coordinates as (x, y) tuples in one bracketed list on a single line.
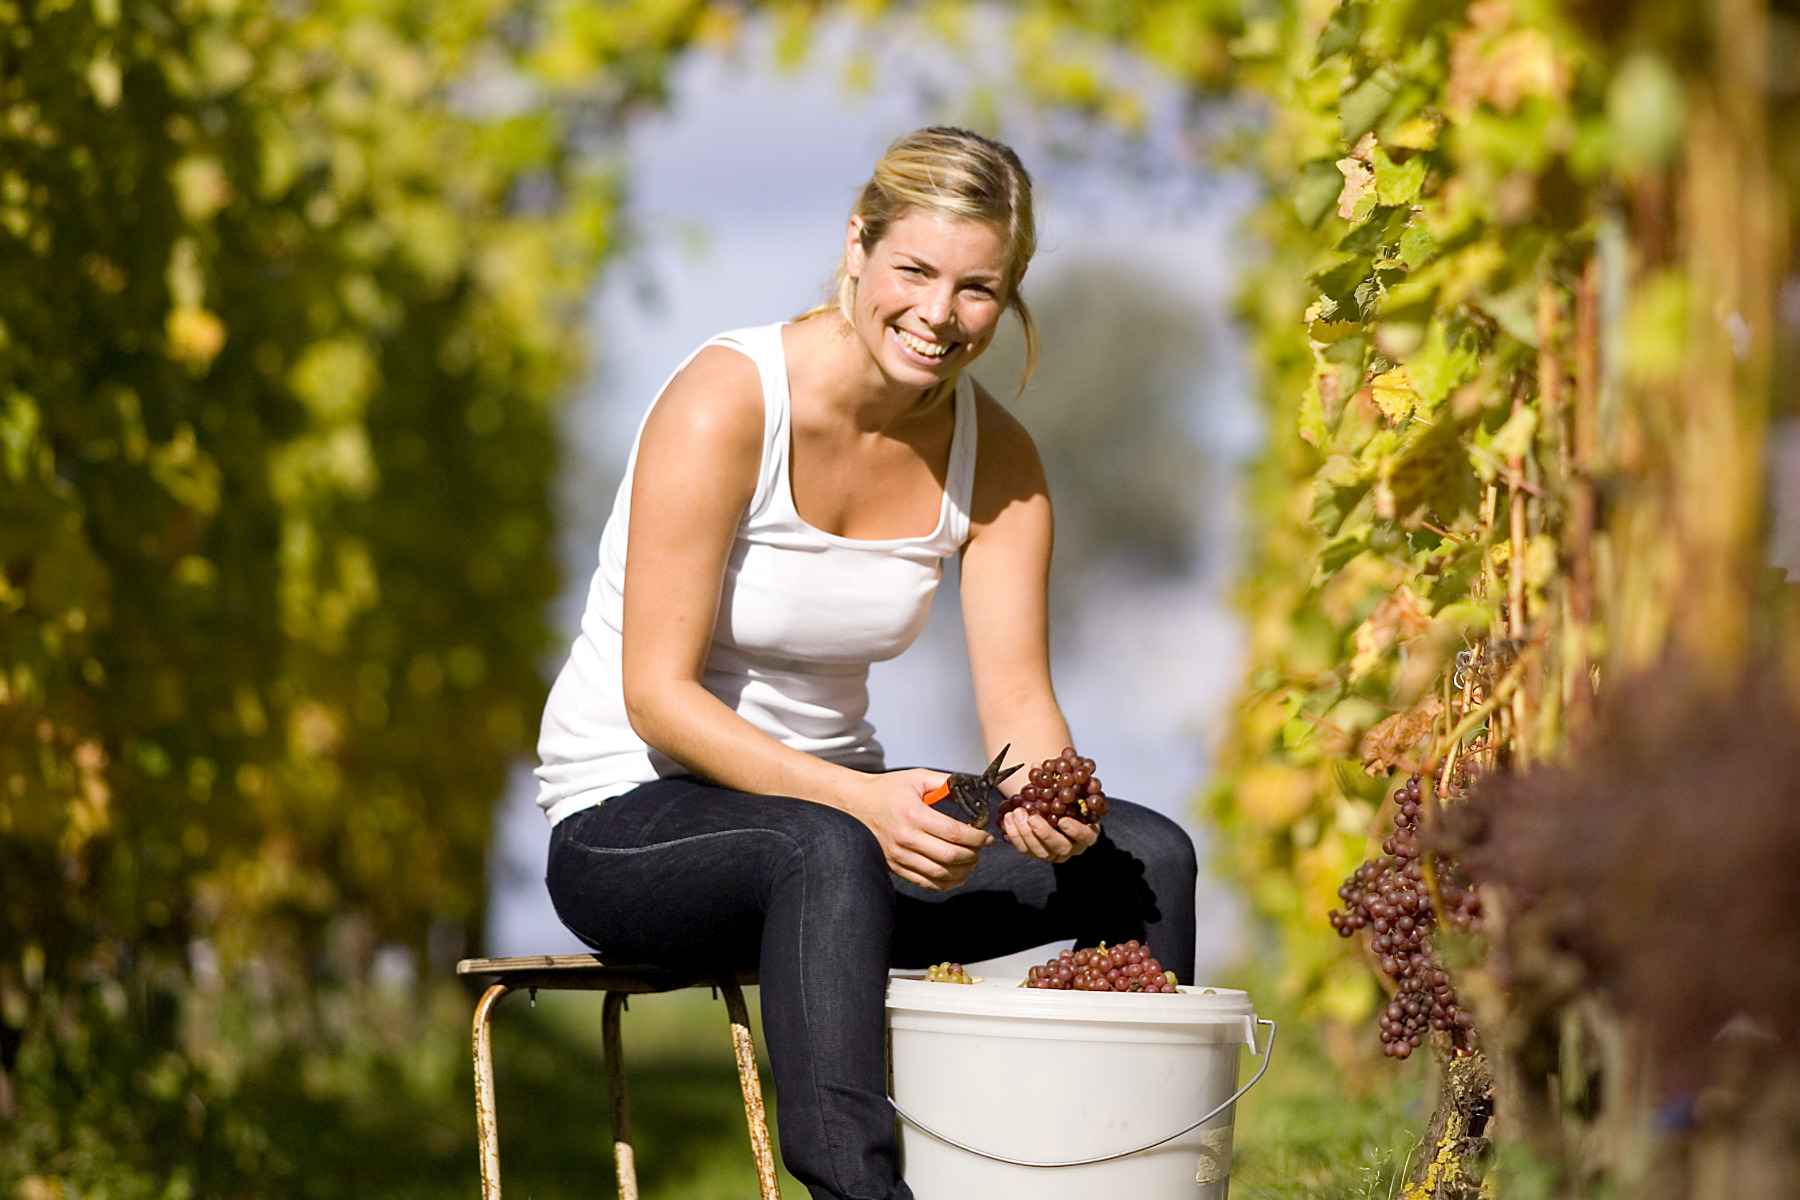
[(911, 270)]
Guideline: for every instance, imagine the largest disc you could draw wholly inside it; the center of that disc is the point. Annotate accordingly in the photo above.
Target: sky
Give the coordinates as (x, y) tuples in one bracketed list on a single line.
[(738, 194)]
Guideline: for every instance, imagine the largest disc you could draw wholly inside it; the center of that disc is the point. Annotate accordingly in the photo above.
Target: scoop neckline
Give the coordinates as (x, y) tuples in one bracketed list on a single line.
[(787, 464)]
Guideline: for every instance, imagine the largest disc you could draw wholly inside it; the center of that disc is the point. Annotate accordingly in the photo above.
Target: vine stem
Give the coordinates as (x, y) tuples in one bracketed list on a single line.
[(1516, 617), (1502, 692)]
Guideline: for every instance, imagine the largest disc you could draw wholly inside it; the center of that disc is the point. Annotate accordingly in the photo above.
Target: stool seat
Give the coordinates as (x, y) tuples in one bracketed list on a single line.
[(591, 973)]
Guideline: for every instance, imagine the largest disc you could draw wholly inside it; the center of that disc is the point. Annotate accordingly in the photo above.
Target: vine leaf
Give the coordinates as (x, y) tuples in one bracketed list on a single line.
[(1445, 359), (1489, 451), (1397, 183), (1398, 619), (1357, 199), (1417, 246), (1401, 740), (1393, 394), (1340, 33), (1315, 190), (1365, 104)]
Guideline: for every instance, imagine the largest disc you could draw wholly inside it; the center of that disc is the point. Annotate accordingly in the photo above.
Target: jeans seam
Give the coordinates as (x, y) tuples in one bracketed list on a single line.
[(682, 841), (812, 1060)]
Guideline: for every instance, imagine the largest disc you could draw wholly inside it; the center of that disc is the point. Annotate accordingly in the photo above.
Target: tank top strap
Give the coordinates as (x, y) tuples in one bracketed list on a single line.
[(762, 345), (959, 482)]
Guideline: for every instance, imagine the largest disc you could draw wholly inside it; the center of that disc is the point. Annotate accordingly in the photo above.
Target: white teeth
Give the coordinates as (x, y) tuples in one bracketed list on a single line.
[(920, 346)]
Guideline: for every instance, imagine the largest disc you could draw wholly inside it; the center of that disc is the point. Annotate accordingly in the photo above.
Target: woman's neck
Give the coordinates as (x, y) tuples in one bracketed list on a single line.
[(843, 380)]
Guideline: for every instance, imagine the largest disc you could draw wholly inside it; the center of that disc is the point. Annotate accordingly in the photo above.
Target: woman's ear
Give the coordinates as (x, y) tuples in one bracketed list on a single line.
[(854, 257)]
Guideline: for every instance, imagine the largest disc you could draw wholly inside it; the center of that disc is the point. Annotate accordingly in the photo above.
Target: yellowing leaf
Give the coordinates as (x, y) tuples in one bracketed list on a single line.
[(1393, 393), (1402, 740)]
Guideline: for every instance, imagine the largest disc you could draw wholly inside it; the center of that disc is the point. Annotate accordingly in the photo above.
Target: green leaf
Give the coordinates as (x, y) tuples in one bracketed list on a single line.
[(1340, 32), (1316, 191), (1417, 246), (1364, 105), (1468, 616), (1448, 357), (1490, 452), (1515, 311), (1397, 183)]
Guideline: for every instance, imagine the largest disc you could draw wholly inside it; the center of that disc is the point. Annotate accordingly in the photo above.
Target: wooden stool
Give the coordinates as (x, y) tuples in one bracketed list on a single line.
[(585, 972)]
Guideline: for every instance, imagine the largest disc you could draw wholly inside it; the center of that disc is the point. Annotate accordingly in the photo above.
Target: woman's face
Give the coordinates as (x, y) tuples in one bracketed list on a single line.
[(929, 295)]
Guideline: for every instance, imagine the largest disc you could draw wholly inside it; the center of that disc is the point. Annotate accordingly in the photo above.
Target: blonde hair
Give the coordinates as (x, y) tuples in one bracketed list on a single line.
[(954, 173)]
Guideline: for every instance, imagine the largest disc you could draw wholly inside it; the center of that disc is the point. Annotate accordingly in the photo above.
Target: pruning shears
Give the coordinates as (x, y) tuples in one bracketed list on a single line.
[(970, 792)]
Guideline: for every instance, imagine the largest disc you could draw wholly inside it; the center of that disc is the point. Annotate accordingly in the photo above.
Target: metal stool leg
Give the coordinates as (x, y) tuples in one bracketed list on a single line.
[(624, 1159), (748, 1080), (487, 1121)]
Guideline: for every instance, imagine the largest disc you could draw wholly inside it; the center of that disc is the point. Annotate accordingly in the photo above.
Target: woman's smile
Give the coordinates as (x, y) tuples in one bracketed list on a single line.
[(929, 294), (925, 351)]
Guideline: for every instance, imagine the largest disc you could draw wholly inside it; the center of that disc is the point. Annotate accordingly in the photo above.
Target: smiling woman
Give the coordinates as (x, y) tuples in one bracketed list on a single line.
[(953, 214), (718, 797)]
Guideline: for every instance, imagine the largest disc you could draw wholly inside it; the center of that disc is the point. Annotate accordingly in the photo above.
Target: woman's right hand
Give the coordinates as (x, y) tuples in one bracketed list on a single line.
[(921, 844)]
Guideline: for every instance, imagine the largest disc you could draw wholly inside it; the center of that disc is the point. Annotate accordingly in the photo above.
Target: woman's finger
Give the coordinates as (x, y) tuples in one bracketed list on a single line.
[(922, 865), (913, 878), (1034, 843), (909, 867), (1009, 825), (1080, 833), (1052, 839)]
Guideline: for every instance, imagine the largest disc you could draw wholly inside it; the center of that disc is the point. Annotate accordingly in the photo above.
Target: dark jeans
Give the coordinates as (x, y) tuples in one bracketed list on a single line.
[(690, 875)]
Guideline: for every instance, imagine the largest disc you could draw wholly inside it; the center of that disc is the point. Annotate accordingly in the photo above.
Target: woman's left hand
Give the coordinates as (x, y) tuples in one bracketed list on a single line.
[(1058, 843)]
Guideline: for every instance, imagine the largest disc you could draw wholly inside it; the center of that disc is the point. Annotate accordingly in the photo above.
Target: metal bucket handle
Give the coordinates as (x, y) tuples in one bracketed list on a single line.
[(1267, 1054)]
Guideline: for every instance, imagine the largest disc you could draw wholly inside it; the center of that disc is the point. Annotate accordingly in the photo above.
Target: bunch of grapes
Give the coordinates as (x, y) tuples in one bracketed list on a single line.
[(1062, 787), (1125, 968), (1386, 897), (947, 972)]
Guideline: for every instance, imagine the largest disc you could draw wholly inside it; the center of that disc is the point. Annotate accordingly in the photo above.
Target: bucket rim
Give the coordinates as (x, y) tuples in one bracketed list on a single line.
[(1189, 1005)]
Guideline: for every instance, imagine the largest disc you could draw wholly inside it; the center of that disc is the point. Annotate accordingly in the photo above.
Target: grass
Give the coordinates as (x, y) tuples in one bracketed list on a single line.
[(1305, 1130), (387, 1109)]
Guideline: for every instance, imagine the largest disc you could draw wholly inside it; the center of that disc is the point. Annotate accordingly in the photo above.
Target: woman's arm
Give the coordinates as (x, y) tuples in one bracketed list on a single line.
[(1005, 597), (697, 466)]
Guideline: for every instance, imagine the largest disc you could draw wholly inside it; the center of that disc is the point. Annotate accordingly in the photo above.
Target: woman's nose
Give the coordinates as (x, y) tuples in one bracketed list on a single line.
[(935, 306)]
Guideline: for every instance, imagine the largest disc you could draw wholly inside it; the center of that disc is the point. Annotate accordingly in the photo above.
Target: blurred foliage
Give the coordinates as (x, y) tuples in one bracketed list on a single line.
[(1507, 244), (1518, 334), (289, 292)]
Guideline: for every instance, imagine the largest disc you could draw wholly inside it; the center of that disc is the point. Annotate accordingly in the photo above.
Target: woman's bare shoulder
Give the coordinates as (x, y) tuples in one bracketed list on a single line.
[(713, 405), (1005, 447)]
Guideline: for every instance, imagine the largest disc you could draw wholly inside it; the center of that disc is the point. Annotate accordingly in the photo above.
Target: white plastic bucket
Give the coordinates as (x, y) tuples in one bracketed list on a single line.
[(1008, 1092)]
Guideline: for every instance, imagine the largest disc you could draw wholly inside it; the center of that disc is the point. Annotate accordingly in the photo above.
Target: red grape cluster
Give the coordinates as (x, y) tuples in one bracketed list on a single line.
[(1125, 968), (1062, 787), (1387, 897)]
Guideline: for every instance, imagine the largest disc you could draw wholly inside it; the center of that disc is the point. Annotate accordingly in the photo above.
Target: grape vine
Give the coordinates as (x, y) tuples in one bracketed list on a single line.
[(1389, 898)]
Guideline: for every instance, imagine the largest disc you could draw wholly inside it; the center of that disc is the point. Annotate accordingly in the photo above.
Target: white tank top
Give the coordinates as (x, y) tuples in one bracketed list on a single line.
[(802, 614)]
